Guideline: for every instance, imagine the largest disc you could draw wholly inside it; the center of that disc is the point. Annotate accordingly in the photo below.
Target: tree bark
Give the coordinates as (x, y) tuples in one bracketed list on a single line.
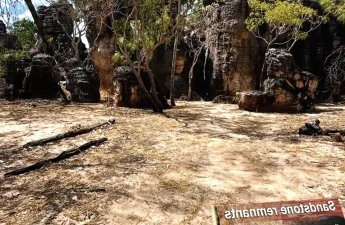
[(173, 66), (153, 86), (62, 156), (263, 67)]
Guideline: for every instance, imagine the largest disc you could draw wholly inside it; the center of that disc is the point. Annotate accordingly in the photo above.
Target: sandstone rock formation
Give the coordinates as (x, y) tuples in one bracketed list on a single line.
[(42, 76), (40, 80), (292, 90), (234, 51), (83, 85), (287, 82), (103, 46)]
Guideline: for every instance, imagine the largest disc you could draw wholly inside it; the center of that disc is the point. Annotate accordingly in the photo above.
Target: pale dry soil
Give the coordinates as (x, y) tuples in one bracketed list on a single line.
[(163, 169)]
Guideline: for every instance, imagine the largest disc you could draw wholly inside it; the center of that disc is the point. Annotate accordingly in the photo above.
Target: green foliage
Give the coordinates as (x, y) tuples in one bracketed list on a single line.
[(335, 7), (119, 59), (8, 56), (25, 31), (283, 17), (151, 22)]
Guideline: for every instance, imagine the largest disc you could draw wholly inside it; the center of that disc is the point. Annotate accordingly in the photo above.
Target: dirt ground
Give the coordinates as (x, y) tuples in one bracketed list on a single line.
[(163, 169)]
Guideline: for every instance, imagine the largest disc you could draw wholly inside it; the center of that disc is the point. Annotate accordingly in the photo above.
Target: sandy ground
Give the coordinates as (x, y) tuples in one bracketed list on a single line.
[(163, 169)]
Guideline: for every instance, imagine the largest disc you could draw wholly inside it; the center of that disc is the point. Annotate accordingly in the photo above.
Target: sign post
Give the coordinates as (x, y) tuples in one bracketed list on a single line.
[(313, 212)]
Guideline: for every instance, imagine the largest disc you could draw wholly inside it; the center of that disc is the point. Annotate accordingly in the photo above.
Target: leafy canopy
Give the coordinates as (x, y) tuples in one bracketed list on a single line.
[(146, 26), (282, 17), (335, 7), (25, 31)]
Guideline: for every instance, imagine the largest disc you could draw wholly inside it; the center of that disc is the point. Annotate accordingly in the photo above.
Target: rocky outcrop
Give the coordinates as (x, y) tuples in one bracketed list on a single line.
[(15, 77), (254, 101), (103, 42), (83, 85), (12, 78), (8, 41), (41, 78), (234, 51), (287, 82), (54, 15), (292, 90), (127, 90)]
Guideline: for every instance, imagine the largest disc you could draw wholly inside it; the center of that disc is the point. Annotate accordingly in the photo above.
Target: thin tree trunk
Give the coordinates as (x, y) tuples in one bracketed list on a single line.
[(153, 86), (263, 68), (191, 72), (76, 50), (39, 25), (173, 71), (173, 66), (147, 94)]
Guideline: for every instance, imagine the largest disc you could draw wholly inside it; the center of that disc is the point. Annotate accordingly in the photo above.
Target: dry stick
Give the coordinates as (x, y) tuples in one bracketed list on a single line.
[(62, 156), (63, 135), (327, 132)]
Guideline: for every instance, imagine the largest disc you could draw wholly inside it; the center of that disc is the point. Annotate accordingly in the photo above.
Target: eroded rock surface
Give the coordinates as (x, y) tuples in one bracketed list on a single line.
[(292, 90), (233, 49), (83, 85), (41, 78)]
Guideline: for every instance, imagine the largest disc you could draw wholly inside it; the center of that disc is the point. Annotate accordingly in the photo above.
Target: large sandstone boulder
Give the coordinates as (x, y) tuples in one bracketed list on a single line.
[(254, 101), (127, 90), (288, 83), (83, 85), (53, 15), (286, 89)]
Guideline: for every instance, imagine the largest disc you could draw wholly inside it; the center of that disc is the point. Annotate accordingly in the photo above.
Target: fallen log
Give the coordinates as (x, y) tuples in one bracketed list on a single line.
[(62, 156), (313, 128), (68, 134)]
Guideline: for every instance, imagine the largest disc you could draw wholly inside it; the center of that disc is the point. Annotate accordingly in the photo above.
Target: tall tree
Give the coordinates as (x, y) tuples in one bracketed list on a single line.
[(286, 23), (173, 66), (194, 39), (143, 27)]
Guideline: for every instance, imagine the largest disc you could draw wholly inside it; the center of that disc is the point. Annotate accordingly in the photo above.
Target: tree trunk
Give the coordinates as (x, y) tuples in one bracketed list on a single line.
[(76, 50), (147, 94), (173, 66), (173, 71), (263, 68), (191, 71), (153, 86), (39, 25)]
